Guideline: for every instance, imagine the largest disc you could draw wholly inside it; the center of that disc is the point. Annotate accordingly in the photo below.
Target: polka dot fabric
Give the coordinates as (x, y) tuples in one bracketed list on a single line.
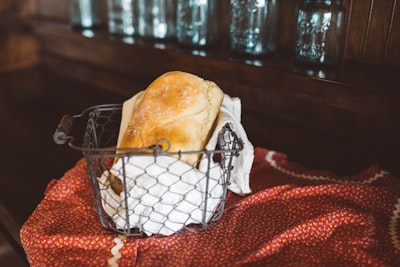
[(294, 217)]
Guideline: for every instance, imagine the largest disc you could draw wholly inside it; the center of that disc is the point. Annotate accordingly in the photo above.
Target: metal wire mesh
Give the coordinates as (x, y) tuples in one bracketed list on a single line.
[(161, 194)]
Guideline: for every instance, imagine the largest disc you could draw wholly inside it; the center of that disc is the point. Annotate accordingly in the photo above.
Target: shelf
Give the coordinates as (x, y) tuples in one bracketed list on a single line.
[(342, 87)]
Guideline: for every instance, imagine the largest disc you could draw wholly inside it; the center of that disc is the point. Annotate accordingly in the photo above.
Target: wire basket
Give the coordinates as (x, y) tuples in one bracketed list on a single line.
[(160, 193)]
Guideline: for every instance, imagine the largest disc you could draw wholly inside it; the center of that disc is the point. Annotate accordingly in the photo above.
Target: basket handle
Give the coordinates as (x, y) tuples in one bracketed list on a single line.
[(61, 135)]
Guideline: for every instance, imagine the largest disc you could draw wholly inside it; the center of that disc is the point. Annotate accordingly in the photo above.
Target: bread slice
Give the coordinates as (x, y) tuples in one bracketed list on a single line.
[(178, 106)]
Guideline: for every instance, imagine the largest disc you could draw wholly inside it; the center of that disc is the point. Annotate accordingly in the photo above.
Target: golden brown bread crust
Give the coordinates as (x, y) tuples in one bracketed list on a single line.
[(178, 106)]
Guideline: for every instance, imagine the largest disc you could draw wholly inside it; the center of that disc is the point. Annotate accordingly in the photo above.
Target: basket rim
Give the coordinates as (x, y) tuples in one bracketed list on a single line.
[(145, 151)]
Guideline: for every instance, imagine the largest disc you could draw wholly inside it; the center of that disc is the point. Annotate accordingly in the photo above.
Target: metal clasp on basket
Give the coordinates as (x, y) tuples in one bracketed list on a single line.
[(61, 135), (159, 148)]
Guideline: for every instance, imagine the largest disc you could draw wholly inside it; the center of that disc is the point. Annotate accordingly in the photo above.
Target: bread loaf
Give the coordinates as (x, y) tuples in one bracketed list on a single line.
[(177, 106)]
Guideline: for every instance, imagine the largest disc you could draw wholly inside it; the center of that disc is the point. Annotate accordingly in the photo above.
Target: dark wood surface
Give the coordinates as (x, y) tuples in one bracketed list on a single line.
[(32, 102), (18, 47)]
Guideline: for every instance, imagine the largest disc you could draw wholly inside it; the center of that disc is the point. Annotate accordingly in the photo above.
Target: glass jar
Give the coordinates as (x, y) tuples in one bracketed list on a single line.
[(320, 31), (85, 14), (156, 18), (197, 22), (120, 17), (253, 26)]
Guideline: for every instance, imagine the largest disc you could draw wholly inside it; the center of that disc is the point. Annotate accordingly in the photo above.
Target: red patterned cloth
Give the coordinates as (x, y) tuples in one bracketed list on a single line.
[(294, 217)]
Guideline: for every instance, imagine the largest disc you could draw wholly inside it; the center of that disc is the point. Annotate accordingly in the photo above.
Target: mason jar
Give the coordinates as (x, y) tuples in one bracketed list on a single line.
[(156, 19), (253, 26), (197, 22), (120, 17), (85, 13), (320, 31)]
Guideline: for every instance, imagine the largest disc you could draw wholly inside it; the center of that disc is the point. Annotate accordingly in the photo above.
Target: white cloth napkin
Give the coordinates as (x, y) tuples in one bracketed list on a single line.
[(240, 175), (165, 194)]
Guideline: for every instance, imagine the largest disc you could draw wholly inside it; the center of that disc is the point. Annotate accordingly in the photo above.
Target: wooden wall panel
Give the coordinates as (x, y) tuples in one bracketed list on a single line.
[(357, 18), (18, 51), (59, 9), (18, 46), (287, 21), (377, 31), (392, 50), (20, 8), (51, 9), (372, 34)]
